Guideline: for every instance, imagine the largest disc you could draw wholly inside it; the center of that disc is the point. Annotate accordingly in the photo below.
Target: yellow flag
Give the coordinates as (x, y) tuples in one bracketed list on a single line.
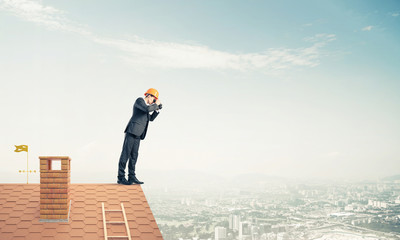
[(21, 148)]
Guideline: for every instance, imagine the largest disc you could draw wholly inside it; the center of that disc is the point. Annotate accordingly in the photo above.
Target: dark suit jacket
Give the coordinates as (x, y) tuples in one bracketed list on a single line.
[(140, 118)]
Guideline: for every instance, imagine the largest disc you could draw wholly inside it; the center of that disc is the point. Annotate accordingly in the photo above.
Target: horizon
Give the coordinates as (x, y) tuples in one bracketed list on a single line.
[(186, 177)]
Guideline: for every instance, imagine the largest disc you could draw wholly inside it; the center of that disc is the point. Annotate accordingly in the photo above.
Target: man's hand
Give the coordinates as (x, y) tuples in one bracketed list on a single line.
[(158, 101)]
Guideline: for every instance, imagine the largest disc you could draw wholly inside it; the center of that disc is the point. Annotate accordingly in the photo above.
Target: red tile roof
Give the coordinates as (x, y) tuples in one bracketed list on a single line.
[(20, 211)]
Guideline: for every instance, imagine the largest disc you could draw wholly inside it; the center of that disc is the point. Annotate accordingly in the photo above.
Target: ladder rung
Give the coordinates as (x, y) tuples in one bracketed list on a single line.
[(115, 222)]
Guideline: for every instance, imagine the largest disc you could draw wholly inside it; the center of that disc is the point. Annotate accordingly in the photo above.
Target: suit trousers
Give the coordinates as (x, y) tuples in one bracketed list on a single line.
[(130, 151)]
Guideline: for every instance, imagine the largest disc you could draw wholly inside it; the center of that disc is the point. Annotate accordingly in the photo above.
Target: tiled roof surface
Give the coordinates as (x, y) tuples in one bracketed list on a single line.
[(20, 210)]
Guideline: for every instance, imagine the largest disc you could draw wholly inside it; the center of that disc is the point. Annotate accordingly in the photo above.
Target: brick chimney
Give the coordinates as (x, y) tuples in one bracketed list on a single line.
[(55, 174)]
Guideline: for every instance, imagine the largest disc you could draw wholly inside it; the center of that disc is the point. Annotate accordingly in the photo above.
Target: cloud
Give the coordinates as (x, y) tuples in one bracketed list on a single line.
[(396, 14), (321, 37), (367, 28), (49, 17), (175, 55), (144, 52)]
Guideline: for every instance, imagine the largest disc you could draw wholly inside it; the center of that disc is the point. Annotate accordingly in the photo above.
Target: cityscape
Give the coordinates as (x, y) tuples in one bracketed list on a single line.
[(278, 209)]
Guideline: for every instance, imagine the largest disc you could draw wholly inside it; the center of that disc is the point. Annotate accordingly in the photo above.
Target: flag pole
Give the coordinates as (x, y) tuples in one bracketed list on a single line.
[(27, 182)]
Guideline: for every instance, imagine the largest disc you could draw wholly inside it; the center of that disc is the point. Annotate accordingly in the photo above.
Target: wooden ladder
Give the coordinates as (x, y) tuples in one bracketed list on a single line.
[(115, 222)]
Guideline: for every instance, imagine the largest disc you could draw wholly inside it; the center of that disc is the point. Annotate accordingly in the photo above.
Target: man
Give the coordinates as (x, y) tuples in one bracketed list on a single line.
[(136, 131)]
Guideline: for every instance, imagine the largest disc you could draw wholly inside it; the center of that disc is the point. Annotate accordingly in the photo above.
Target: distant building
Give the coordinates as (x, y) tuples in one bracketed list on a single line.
[(210, 203), (220, 233), (282, 236), (187, 201), (236, 222), (244, 231), (265, 228), (255, 233), (349, 208), (377, 204)]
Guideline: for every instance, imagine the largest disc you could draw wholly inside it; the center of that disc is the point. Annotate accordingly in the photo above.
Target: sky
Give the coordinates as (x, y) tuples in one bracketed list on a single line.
[(293, 89)]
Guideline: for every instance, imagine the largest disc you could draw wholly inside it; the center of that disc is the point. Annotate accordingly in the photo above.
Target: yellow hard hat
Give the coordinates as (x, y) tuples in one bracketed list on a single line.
[(152, 91)]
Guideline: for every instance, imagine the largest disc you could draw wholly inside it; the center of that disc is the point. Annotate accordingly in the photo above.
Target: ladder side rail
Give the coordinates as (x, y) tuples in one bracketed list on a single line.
[(104, 221), (126, 222)]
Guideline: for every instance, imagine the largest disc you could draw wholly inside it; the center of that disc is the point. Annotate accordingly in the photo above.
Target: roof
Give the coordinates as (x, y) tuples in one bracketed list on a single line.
[(20, 211)]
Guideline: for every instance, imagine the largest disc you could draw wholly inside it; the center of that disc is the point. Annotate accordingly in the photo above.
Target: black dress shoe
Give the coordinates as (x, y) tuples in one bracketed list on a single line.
[(135, 180), (123, 181)]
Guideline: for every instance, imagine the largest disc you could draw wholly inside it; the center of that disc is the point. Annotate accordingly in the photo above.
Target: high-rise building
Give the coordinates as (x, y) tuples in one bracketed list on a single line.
[(220, 233), (236, 222), (244, 231)]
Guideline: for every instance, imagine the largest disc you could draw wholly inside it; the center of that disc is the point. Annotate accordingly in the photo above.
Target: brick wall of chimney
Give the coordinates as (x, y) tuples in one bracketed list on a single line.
[(54, 188)]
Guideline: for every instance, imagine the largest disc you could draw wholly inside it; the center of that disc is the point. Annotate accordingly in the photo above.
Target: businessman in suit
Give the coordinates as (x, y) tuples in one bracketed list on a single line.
[(136, 131)]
